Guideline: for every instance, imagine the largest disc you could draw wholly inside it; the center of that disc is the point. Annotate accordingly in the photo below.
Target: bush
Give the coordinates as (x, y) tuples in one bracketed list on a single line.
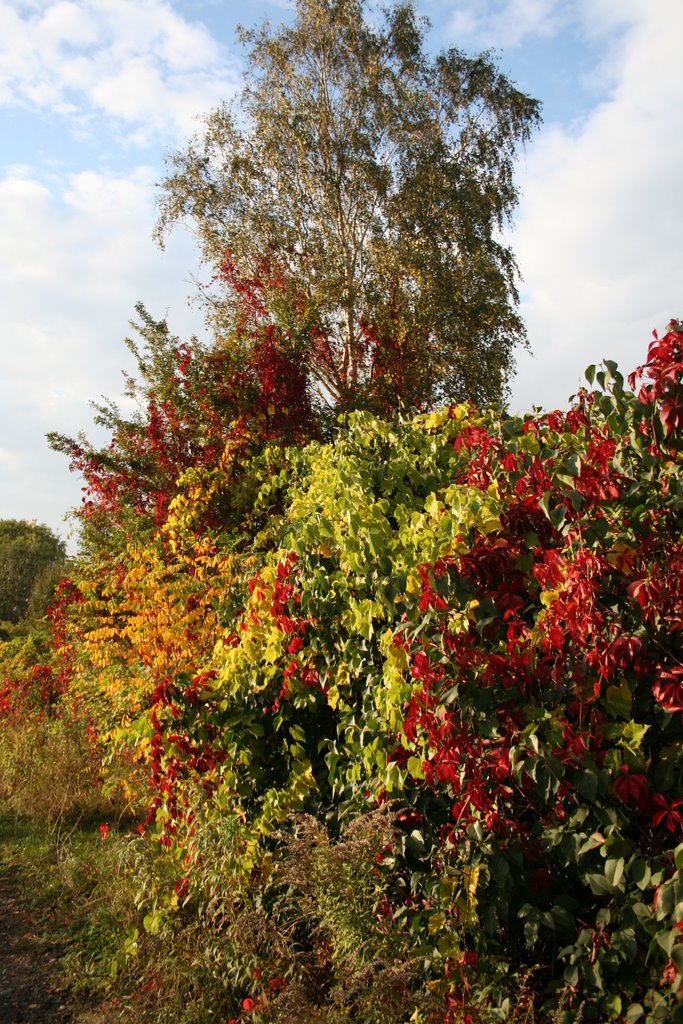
[(412, 721)]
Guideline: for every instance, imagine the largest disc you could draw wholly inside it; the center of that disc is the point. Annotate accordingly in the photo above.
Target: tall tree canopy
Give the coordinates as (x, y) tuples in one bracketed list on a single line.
[(353, 197), (29, 555)]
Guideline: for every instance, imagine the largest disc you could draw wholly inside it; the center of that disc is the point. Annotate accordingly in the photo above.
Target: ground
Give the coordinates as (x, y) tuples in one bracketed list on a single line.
[(31, 988)]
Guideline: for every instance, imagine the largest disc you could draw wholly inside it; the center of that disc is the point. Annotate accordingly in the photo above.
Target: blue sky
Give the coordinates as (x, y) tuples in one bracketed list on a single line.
[(93, 93)]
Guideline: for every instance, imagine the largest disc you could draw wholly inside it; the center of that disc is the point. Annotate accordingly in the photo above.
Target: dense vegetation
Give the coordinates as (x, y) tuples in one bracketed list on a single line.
[(398, 714), (31, 560), (356, 191), (362, 701)]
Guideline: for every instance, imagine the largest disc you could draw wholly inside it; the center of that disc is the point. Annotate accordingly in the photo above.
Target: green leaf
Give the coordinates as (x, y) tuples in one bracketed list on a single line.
[(586, 781), (593, 972), (448, 945), (612, 1005), (677, 957), (531, 926), (626, 943), (152, 922), (666, 940), (591, 843), (395, 587), (577, 499), (572, 464), (599, 885), (666, 900), (415, 844), (633, 736), (640, 873), (619, 699), (571, 975), (544, 503), (614, 870)]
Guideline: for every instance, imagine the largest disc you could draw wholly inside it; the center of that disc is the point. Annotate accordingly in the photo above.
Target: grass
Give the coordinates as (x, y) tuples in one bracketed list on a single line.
[(76, 884)]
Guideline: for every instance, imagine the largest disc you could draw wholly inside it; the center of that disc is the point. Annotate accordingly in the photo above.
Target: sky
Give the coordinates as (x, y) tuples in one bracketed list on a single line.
[(94, 94)]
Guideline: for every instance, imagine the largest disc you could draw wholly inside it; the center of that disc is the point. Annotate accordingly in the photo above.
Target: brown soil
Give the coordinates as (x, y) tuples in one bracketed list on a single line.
[(31, 988)]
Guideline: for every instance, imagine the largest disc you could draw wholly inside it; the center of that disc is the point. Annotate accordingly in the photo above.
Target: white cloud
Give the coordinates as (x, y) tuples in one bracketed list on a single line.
[(504, 23), (136, 62), (599, 18), (77, 255), (598, 236), (7, 457)]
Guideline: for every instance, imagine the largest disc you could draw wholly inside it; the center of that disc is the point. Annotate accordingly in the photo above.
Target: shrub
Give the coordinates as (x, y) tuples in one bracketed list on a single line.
[(412, 721)]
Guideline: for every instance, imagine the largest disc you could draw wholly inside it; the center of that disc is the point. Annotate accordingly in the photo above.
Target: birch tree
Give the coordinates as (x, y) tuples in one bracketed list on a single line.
[(359, 189)]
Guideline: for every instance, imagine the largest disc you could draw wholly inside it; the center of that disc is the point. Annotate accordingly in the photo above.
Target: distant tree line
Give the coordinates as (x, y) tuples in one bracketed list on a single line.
[(32, 559)]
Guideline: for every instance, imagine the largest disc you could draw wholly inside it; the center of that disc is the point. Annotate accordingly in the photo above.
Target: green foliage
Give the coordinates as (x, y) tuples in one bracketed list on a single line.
[(30, 559), (473, 621), (356, 195), (409, 704)]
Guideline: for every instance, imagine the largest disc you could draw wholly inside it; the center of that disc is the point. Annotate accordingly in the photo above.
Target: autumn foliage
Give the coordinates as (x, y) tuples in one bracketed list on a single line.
[(399, 713), (189, 401)]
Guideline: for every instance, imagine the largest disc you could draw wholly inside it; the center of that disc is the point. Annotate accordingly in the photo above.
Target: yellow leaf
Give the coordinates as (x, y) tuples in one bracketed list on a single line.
[(471, 879), (434, 420), (548, 597), (436, 922)]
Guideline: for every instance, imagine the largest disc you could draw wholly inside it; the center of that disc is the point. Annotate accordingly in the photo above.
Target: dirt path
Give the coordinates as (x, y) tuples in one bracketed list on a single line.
[(30, 987)]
